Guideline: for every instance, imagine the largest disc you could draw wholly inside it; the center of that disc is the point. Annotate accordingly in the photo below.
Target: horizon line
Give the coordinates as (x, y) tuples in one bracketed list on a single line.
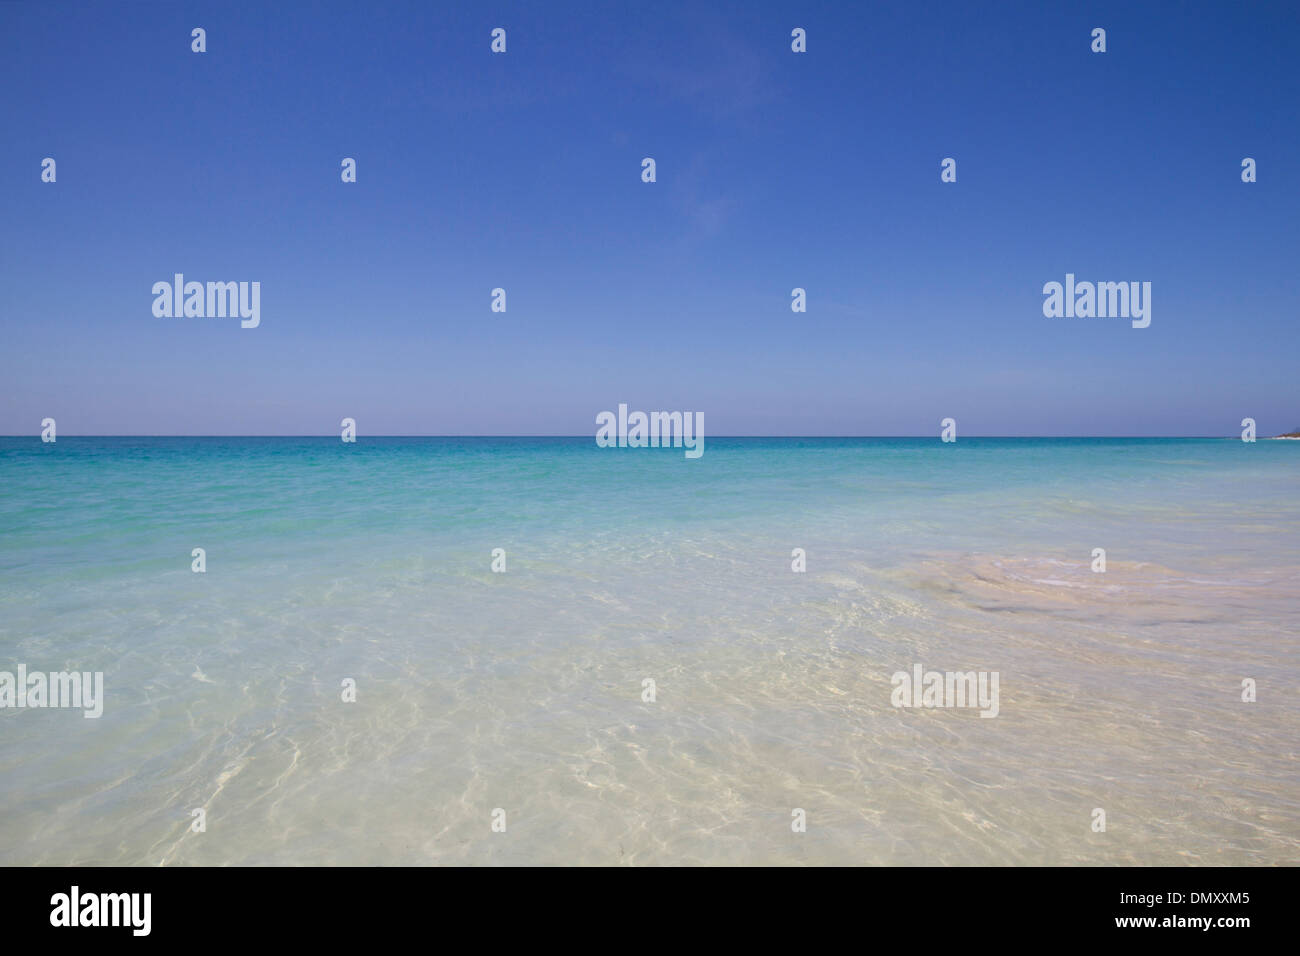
[(334, 435)]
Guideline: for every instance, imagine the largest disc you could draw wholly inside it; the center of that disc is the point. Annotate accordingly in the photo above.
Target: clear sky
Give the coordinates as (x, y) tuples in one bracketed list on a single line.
[(775, 170)]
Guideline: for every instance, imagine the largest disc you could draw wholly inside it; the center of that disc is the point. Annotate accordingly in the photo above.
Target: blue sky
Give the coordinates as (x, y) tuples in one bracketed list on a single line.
[(775, 170)]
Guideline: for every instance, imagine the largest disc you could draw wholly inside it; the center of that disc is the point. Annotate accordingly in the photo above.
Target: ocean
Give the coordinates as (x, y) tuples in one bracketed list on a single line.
[(647, 681)]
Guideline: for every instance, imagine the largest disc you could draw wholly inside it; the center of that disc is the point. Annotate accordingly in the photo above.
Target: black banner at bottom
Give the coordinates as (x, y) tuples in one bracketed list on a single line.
[(924, 905)]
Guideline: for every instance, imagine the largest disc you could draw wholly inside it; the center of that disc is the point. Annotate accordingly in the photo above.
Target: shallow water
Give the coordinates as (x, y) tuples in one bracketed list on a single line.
[(522, 690)]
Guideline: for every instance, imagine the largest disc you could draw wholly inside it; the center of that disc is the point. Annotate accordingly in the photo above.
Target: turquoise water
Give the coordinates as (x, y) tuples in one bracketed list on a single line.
[(522, 690)]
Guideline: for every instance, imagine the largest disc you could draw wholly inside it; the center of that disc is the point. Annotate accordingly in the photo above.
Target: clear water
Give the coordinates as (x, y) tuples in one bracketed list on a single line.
[(522, 690)]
